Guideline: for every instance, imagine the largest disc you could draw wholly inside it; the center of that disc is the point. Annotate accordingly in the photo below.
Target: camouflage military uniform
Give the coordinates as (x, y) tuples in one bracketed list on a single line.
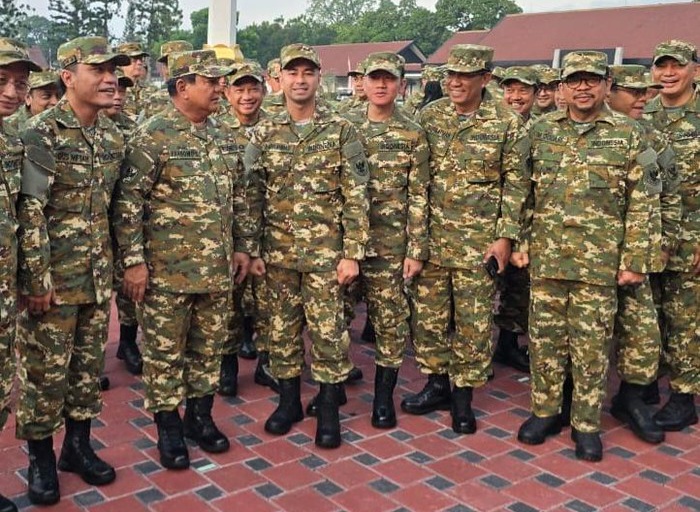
[(681, 288), (397, 153), (68, 177), (593, 198), (176, 208), (477, 191), (13, 124), (315, 208)]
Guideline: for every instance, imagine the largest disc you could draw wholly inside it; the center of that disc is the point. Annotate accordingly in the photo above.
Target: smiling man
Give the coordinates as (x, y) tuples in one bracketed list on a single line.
[(44, 93), (73, 153)]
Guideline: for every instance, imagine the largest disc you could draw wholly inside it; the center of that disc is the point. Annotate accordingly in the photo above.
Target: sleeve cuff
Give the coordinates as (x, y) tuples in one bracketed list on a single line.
[(353, 250)]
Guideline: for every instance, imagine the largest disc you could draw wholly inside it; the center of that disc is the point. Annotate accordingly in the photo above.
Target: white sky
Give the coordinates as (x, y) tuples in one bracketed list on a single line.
[(255, 11)]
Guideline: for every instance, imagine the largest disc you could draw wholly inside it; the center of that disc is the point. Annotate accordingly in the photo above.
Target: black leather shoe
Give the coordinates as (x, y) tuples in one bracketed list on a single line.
[(312, 407), (247, 349), (6, 505), (289, 411), (355, 375), (104, 383), (42, 476), (128, 350), (383, 411), (678, 413), (435, 396), (535, 429), (509, 353), (77, 456), (262, 375), (228, 375), (171, 440), (588, 445), (567, 400), (368, 333), (199, 426), (628, 407), (463, 420), (328, 419)]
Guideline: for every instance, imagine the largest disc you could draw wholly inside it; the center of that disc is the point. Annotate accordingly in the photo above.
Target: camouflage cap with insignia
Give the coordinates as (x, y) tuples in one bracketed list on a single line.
[(384, 61), (177, 46), (631, 76), (12, 51), (249, 68), (123, 80), (682, 51), (469, 58), (546, 75), (89, 50), (523, 74), (592, 62), (225, 54), (198, 62), (39, 79), (299, 51), (132, 49)]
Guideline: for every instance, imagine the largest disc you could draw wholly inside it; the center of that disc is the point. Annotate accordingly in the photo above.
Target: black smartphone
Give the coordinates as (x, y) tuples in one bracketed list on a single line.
[(491, 267)]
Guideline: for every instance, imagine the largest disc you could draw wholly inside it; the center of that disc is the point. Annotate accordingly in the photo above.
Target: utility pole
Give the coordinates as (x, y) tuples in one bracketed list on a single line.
[(222, 22)]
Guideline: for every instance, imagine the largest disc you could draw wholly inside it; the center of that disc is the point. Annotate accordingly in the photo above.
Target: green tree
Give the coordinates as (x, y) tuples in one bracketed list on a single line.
[(13, 18), (334, 12), (151, 21), (42, 32), (72, 18), (473, 14)]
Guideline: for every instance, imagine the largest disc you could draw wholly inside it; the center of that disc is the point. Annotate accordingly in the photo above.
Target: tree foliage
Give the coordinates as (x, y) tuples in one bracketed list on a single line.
[(13, 18), (473, 14), (75, 18), (334, 12), (151, 21)]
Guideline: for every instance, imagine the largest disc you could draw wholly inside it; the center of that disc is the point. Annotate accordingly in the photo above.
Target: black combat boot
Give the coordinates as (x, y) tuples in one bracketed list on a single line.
[(588, 445), (628, 406), (104, 383), (433, 397), (509, 353), (328, 418), (77, 456), (42, 476), (566, 401), (6, 505), (463, 420), (289, 411), (651, 393), (248, 350), (171, 440), (355, 375), (200, 427), (228, 375), (368, 333), (262, 375), (128, 350), (678, 413), (312, 407), (535, 429), (383, 412)]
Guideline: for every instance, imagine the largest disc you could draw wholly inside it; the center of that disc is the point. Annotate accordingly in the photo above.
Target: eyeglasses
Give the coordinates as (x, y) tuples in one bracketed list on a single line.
[(575, 81), (21, 86)]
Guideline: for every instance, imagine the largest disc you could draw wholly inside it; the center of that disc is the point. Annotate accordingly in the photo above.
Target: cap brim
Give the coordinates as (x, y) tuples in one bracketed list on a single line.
[(593, 71), (140, 54), (517, 79), (287, 63), (214, 71), (119, 59), (680, 58), (465, 69), (393, 72), (44, 84), (163, 59), (31, 65), (235, 78), (125, 81)]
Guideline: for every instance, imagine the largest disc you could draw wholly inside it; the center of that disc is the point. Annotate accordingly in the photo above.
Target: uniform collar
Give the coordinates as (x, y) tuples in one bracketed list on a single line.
[(64, 114)]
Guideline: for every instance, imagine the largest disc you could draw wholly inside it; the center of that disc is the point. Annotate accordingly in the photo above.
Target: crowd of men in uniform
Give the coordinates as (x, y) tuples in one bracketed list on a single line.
[(216, 211)]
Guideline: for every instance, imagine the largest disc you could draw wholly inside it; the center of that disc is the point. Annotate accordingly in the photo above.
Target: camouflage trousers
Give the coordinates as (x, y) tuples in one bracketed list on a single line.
[(514, 300), (570, 319), (637, 334), (387, 308), (249, 299), (183, 336), (681, 306), (318, 297), (126, 309), (61, 354), (466, 356), (8, 365)]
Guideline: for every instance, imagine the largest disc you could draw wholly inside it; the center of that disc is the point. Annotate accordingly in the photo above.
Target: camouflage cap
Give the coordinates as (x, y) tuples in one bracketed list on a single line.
[(682, 51), (123, 80), (249, 68), (89, 50), (631, 76), (299, 51), (546, 75), (132, 49), (523, 74), (225, 54), (469, 58), (359, 69), (177, 46), (585, 62), (498, 72), (384, 61), (39, 79), (273, 68), (12, 51), (198, 62), (433, 73)]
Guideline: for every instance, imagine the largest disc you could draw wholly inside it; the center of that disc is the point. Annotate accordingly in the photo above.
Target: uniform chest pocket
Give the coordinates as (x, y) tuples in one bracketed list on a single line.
[(190, 182), (389, 170), (480, 171), (544, 171), (71, 185), (326, 175), (606, 177)]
